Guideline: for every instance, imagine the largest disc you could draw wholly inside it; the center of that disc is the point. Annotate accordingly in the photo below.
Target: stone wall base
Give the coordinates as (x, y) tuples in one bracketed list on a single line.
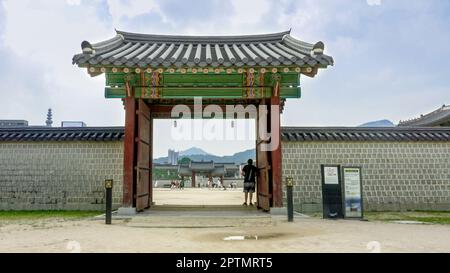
[(317, 208), (73, 207)]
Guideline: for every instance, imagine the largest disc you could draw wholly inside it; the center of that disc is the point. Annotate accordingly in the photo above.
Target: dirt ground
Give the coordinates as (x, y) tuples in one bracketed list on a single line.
[(204, 233), (198, 196), (214, 229)]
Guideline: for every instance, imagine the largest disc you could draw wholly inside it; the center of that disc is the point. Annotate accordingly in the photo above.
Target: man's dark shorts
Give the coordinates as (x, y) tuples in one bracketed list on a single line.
[(249, 187)]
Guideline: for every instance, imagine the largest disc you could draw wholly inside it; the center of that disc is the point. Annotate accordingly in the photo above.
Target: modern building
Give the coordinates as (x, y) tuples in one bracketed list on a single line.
[(437, 118), (172, 157), (13, 123), (66, 124)]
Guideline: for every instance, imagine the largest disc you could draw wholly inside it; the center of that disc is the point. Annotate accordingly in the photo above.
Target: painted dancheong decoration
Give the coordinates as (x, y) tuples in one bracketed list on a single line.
[(235, 67)]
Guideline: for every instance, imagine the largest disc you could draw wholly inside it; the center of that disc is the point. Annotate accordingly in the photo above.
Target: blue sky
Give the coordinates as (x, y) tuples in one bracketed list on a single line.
[(391, 56)]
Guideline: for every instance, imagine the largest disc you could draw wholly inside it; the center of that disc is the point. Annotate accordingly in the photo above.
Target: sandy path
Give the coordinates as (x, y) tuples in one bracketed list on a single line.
[(274, 235), (201, 196)]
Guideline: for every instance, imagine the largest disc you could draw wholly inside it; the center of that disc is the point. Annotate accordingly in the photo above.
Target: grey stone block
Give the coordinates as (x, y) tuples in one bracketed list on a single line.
[(278, 211), (126, 211)]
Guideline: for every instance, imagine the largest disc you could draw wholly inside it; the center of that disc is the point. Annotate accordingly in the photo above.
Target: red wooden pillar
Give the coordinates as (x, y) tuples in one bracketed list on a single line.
[(151, 161), (129, 151), (276, 155), (193, 180)]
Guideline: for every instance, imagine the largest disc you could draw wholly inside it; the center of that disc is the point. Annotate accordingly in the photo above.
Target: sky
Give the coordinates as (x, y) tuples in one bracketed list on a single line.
[(391, 56)]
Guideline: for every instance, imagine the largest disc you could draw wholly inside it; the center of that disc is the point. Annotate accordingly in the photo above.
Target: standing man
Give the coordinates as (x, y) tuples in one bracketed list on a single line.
[(182, 183), (249, 172), (222, 184)]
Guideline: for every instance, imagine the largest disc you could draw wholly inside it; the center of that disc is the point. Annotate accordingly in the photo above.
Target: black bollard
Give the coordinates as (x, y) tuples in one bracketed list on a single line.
[(290, 201), (108, 214)]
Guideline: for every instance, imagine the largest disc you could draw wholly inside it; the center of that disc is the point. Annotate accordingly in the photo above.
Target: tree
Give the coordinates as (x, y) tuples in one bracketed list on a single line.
[(184, 160)]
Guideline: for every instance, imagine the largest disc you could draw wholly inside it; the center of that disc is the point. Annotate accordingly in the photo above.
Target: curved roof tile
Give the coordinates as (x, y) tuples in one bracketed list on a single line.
[(364, 134), (287, 133), (439, 117), (134, 49), (62, 134)]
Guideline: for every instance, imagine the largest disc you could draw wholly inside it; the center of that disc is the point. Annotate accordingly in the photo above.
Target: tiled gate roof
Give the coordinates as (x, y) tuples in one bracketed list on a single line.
[(143, 50)]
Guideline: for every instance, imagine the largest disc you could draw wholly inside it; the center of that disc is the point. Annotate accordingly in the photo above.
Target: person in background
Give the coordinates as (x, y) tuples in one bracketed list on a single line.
[(222, 184), (210, 182), (182, 183), (249, 172)]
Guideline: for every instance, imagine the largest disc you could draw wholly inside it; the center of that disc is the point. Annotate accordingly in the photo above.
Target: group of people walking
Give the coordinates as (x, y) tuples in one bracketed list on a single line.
[(175, 184), (216, 184)]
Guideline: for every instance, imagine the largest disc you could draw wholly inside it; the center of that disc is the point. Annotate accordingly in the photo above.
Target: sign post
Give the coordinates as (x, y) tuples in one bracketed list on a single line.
[(352, 191), (108, 214), (290, 201), (331, 192)]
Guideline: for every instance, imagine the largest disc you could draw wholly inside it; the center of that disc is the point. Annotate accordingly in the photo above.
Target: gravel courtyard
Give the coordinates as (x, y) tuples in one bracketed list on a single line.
[(181, 223), (220, 231), (198, 196)]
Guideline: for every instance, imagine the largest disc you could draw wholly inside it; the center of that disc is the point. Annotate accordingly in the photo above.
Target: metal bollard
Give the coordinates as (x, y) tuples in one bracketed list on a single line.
[(290, 201), (108, 214)]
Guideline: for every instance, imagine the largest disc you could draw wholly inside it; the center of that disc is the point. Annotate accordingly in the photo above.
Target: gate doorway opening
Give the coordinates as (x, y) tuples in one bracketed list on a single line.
[(138, 143), (198, 162)]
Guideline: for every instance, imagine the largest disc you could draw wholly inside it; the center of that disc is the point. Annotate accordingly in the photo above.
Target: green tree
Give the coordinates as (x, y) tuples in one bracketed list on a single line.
[(184, 160)]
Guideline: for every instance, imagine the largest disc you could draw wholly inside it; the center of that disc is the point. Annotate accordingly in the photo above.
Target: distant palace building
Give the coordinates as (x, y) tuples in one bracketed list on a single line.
[(206, 169), (437, 118)]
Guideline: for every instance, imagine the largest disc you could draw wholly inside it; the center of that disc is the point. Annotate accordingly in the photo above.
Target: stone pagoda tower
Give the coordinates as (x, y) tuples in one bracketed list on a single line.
[(49, 120)]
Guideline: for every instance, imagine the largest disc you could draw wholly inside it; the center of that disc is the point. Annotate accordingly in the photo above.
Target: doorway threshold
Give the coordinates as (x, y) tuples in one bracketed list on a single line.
[(177, 207)]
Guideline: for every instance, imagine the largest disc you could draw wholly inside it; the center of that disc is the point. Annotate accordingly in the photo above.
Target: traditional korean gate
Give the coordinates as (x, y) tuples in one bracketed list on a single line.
[(143, 163), (163, 70)]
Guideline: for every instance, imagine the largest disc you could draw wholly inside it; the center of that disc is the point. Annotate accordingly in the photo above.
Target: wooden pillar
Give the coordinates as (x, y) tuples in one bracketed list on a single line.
[(193, 180), (129, 152), (276, 155), (151, 161)]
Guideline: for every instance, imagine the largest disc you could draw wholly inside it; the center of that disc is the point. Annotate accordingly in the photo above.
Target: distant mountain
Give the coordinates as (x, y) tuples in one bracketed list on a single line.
[(237, 158), (193, 151), (378, 123)]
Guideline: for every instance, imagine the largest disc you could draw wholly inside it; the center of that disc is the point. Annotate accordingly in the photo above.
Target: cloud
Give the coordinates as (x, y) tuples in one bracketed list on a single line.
[(73, 2), (389, 60), (124, 10), (47, 77), (373, 2)]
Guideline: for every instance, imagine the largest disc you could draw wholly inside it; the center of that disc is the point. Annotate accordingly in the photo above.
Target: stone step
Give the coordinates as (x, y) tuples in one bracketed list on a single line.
[(196, 221), (202, 208)]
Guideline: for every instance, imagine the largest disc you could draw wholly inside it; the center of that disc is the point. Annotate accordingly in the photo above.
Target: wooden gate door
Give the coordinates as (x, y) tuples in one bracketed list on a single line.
[(143, 164), (263, 163)]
